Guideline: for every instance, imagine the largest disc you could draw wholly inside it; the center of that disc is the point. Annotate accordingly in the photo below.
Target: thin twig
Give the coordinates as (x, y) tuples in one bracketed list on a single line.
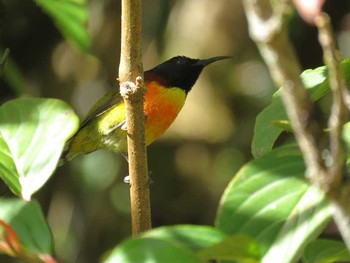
[(346, 98), (285, 70), (339, 194), (338, 111), (132, 90), (3, 59)]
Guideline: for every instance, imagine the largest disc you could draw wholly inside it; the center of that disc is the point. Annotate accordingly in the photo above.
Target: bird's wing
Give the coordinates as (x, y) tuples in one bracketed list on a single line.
[(110, 99)]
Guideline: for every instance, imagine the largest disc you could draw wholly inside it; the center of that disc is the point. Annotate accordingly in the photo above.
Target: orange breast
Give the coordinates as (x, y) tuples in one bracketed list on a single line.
[(162, 105)]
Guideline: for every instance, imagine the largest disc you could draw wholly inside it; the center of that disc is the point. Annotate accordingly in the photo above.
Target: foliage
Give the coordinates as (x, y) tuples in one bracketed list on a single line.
[(70, 17), (186, 243), (326, 251), (266, 130), (26, 234), (32, 135), (268, 212)]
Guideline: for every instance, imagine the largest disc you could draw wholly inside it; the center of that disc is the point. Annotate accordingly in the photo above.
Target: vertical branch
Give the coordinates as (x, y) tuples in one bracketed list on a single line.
[(132, 91), (131, 41), (338, 111), (340, 194)]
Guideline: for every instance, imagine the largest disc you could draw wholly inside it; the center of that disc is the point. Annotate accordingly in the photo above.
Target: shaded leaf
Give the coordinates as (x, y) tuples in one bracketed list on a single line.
[(70, 16), (32, 135), (11, 244), (283, 124), (236, 247), (265, 132), (270, 201), (27, 221), (326, 251)]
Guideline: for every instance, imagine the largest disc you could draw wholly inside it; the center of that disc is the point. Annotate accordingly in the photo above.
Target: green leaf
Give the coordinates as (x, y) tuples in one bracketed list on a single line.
[(265, 132), (236, 247), (27, 220), (70, 17), (32, 135), (283, 124), (192, 237), (13, 76), (326, 251), (145, 249), (209, 242), (270, 201)]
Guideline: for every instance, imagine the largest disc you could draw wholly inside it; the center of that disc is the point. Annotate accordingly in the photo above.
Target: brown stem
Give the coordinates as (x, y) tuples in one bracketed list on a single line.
[(338, 111), (340, 194), (132, 91)]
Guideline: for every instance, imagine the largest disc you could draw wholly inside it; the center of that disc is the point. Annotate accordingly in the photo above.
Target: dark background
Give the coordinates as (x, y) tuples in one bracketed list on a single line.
[(86, 201)]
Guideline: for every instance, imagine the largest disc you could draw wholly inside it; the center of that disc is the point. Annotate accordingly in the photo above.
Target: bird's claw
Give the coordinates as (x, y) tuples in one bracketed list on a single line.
[(127, 179)]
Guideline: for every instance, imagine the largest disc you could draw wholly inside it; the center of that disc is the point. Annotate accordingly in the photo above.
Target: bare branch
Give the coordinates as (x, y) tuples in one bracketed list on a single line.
[(338, 111), (340, 194), (346, 97)]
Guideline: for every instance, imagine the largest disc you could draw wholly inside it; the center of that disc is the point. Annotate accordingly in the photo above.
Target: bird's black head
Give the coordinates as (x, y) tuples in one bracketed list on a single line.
[(182, 72)]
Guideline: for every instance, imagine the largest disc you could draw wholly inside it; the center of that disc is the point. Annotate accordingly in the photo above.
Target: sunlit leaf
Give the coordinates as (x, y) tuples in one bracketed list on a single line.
[(265, 132), (32, 135), (164, 244), (70, 17), (326, 251), (270, 201), (27, 221), (192, 237), (151, 250), (236, 247)]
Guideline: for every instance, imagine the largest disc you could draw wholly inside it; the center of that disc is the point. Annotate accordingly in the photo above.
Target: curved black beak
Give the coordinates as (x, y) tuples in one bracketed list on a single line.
[(206, 62)]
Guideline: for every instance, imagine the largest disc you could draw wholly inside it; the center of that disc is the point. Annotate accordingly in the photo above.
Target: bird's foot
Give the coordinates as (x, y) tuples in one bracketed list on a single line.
[(127, 179)]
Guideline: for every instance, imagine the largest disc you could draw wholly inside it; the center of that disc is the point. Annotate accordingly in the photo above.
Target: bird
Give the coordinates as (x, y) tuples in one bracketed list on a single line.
[(167, 86)]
